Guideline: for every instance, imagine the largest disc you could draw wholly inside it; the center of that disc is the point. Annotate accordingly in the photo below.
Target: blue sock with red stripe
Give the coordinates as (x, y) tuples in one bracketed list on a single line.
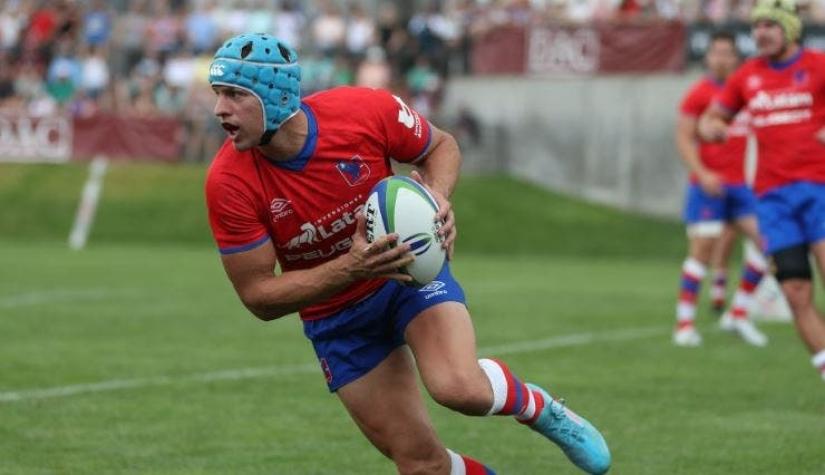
[(511, 397), (463, 465)]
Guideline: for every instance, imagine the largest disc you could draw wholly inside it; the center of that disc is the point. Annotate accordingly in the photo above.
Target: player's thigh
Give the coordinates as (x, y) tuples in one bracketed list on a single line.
[(387, 406), (443, 341)]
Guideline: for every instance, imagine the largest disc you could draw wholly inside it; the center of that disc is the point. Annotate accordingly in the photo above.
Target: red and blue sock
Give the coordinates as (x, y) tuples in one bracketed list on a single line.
[(752, 274), (511, 397), (693, 272), (463, 465), (719, 289)]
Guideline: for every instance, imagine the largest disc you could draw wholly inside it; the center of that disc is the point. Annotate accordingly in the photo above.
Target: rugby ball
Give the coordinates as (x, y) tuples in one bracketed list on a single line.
[(401, 205)]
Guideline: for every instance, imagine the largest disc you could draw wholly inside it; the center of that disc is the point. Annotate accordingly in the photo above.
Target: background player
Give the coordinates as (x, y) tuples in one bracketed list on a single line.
[(287, 187), (784, 91), (717, 195)]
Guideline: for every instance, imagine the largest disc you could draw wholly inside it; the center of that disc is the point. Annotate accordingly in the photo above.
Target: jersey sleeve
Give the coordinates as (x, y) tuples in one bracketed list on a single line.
[(232, 217), (731, 98), (693, 103), (408, 135)]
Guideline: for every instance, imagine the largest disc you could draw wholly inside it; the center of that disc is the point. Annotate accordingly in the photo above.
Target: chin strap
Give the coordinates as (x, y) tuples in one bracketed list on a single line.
[(267, 137)]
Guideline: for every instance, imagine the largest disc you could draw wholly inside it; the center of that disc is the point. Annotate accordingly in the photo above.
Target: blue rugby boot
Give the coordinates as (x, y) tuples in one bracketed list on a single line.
[(577, 438)]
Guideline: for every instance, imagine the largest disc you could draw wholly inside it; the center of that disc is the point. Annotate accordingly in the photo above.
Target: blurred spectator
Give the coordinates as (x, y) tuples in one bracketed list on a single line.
[(164, 31), (94, 73), (201, 28), (260, 19), (6, 80), (97, 24), (329, 29), (360, 31), (130, 31), (289, 22), (374, 71), (12, 20)]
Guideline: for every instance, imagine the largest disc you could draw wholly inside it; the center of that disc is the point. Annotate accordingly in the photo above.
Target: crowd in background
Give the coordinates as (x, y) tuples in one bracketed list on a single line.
[(146, 58)]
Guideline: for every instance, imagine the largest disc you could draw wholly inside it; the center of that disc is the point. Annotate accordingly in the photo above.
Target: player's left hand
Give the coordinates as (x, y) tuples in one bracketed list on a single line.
[(447, 230)]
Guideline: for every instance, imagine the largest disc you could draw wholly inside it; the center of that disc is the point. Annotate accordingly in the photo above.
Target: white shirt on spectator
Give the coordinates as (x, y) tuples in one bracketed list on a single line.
[(360, 34), (95, 73), (328, 31), (179, 71), (288, 26)]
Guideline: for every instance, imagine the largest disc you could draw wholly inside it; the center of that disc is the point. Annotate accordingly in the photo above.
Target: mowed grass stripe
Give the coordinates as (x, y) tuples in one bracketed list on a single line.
[(272, 371)]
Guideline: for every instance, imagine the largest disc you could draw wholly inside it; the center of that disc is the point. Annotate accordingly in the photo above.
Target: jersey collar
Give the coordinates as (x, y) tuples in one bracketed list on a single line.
[(780, 65), (299, 161)]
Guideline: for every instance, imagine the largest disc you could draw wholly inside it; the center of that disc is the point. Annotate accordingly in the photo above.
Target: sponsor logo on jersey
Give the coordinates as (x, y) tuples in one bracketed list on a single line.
[(765, 101), (280, 208), (310, 234), (354, 170)]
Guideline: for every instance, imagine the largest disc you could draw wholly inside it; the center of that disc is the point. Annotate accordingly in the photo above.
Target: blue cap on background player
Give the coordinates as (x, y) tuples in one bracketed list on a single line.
[(265, 67)]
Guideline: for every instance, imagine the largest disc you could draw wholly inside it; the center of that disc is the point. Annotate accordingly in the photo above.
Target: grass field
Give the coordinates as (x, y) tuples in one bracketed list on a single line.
[(134, 355)]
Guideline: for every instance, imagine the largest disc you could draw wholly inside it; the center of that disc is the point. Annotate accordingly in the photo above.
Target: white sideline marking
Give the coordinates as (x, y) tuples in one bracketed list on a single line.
[(249, 373), (51, 296)]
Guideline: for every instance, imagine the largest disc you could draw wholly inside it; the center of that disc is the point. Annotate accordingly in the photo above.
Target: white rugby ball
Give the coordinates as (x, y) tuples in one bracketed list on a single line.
[(401, 205)]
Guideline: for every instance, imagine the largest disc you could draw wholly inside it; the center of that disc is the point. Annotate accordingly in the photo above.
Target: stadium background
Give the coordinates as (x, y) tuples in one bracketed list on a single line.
[(134, 355)]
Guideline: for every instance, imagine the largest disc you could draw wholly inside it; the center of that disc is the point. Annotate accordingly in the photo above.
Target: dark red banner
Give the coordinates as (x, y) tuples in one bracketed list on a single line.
[(588, 49), (59, 139)]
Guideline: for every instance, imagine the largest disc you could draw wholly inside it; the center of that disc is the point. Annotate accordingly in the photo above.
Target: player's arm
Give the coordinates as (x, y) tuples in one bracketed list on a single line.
[(713, 124), (439, 170), (686, 135), (269, 296)]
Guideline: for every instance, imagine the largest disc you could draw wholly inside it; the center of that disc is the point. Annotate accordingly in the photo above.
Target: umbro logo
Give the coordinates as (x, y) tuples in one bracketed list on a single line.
[(433, 286), (280, 207)]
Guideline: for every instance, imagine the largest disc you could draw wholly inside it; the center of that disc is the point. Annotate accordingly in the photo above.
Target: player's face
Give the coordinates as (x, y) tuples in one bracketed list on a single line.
[(240, 115), (769, 38), (721, 58)]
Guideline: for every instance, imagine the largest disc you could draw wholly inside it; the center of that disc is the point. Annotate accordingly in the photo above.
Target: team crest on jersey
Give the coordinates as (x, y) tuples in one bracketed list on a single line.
[(800, 77), (354, 170), (753, 82)]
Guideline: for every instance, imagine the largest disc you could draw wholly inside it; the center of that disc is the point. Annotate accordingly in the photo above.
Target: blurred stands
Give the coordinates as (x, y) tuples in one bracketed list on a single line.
[(148, 58)]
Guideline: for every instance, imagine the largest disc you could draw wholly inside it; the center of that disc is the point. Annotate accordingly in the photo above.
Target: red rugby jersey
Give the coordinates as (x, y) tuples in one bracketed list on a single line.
[(305, 207), (786, 102), (726, 158)]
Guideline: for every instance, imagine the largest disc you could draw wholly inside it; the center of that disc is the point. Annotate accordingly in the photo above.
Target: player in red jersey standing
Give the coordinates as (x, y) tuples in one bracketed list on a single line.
[(784, 91), (717, 196), (288, 187)]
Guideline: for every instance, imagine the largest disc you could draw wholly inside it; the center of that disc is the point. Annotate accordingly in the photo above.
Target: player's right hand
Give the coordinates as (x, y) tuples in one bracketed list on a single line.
[(379, 259), (710, 183)]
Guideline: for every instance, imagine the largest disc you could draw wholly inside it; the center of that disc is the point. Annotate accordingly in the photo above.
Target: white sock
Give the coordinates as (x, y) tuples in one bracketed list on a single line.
[(818, 360)]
